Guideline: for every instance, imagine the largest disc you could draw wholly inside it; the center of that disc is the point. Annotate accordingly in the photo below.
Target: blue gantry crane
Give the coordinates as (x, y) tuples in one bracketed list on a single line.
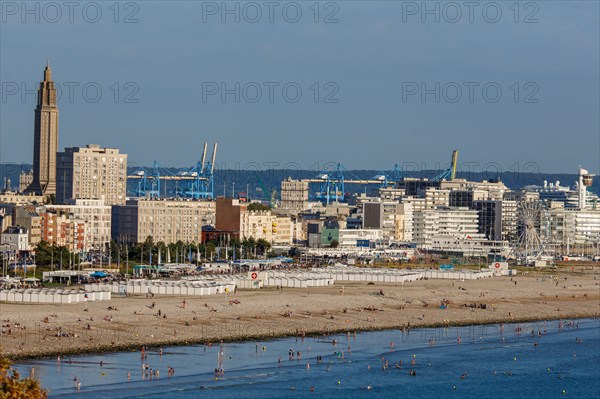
[(196, 182), (332, 183), (390, 177), (149, 181)]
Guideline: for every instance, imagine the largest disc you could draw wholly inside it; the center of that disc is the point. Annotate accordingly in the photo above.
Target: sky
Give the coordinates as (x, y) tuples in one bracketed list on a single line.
[(368, 84)]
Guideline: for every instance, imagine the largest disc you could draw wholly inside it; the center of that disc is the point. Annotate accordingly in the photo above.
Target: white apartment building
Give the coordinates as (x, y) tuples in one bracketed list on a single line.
[(447, 229), (570, 228), (352, 237)]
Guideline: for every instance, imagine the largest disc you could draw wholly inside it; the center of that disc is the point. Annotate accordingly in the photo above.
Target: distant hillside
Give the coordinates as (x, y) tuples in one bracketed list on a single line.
[(262, 183)]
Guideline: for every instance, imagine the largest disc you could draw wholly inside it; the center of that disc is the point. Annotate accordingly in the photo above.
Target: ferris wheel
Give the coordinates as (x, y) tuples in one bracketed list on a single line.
[(530, 240)]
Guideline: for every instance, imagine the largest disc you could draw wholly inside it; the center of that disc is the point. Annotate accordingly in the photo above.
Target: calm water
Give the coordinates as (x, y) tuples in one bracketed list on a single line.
[(498, 364)]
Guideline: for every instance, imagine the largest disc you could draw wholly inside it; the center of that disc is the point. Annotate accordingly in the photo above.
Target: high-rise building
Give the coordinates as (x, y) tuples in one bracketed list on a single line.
[(490, 218), (45, 138), (92, 172), (294, 194)]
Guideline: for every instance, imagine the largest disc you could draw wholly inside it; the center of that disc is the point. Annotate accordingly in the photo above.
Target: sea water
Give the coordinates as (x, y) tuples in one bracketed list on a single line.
[(494, 361)]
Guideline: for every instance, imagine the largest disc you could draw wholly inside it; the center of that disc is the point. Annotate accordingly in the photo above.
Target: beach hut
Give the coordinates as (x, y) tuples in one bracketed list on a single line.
[(35, 296), (211, 290), (42, 296), (65, 298)]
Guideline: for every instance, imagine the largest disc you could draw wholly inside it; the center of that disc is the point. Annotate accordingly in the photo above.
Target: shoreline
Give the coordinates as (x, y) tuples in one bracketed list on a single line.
[(128, 323), (245, 339)]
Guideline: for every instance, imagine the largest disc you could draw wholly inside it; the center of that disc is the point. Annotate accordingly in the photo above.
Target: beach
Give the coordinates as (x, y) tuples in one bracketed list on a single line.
[(39, 330)]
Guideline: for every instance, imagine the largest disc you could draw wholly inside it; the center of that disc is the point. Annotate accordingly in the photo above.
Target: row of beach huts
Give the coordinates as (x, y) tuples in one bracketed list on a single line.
[(52, 295), (221, 284), (162, 287), (346, 273)]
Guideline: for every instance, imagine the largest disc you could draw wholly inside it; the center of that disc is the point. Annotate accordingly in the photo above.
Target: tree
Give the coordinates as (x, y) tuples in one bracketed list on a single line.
[(334, 243), (46, 253), (257, 206), (263, 245), (12, 386), (114, 250), (210, 249)]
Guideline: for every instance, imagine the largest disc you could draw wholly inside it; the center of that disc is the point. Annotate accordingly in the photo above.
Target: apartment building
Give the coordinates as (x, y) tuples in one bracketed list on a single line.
[(294, 195), (96, 216), (91, 172), (62, 229), (441, 228), (166, 220)]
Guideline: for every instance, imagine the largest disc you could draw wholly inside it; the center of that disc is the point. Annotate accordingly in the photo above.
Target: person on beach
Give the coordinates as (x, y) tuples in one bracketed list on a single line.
[(32, 373)]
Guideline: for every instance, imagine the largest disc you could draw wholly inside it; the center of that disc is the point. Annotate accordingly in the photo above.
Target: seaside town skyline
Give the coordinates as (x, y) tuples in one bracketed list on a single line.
[(271, 199)]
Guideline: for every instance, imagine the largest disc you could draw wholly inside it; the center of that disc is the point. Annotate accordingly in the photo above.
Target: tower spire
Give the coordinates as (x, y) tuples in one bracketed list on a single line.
[(45, 143), (47, 72)]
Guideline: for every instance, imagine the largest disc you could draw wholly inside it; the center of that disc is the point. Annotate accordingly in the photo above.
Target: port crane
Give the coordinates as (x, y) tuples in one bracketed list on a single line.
[(332, 183), (390, 177), (450, 173), (196, 182)]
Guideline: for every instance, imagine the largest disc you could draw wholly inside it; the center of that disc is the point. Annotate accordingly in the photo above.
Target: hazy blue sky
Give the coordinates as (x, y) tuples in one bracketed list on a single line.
[(371, 61)]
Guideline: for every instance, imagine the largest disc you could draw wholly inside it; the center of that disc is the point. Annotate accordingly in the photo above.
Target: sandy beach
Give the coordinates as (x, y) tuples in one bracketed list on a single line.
[(124, 323)]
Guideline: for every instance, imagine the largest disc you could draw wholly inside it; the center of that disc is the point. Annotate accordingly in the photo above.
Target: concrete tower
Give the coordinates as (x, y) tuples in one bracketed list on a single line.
[(45, 138)]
